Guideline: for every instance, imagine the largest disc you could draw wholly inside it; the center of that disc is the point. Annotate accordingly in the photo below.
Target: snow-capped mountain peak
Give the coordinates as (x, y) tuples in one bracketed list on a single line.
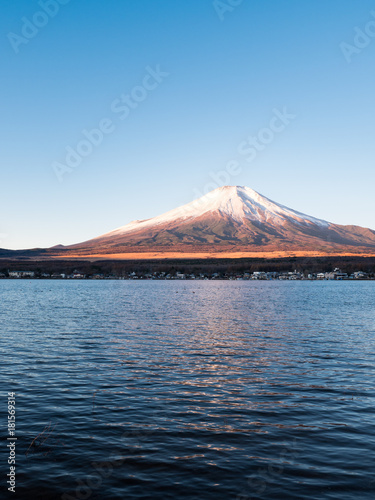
[(229, 220), (240, 203)]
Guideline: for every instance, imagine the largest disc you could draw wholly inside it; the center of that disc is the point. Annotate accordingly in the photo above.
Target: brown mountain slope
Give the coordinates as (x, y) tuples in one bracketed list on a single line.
[(233, 220), (230, 221)]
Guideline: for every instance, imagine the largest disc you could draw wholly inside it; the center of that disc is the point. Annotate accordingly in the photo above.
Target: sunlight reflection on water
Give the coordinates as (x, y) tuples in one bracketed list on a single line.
[(210, 390)]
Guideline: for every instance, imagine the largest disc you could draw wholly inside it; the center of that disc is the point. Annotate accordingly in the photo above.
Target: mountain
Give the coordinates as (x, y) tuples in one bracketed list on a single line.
[(231, 220)]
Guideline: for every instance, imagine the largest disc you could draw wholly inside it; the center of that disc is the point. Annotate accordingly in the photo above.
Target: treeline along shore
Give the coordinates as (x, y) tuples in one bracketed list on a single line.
[(303, 267)]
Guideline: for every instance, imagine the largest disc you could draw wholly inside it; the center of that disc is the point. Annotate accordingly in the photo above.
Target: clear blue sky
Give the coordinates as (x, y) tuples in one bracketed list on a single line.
[(226, 76)]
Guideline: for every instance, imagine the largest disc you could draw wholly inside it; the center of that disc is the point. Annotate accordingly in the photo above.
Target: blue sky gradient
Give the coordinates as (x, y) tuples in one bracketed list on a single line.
[(226, 76)]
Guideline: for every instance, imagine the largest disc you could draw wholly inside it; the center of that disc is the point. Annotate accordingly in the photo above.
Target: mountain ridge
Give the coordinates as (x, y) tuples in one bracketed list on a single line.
[(231, 220), (228, 200)]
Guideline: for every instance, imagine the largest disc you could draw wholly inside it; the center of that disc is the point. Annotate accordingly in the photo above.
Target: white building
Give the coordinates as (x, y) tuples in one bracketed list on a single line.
[(359, 275), (21, 274), (259, 275)]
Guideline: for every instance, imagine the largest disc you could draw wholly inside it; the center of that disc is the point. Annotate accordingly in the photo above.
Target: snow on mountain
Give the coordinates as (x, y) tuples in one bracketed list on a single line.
[(238, 202), (229, 219)]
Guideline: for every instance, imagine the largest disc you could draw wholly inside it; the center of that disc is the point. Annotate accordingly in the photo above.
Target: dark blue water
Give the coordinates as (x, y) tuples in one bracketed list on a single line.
[(189, 390)]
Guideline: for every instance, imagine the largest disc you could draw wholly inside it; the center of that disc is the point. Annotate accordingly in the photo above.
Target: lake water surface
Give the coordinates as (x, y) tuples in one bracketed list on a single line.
[(190, 389)]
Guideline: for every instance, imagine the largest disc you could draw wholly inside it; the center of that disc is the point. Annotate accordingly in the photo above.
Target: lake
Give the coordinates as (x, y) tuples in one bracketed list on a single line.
[(189, 389)]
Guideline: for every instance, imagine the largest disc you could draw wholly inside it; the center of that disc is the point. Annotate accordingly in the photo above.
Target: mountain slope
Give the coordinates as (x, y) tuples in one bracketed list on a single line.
[(230, 219)]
